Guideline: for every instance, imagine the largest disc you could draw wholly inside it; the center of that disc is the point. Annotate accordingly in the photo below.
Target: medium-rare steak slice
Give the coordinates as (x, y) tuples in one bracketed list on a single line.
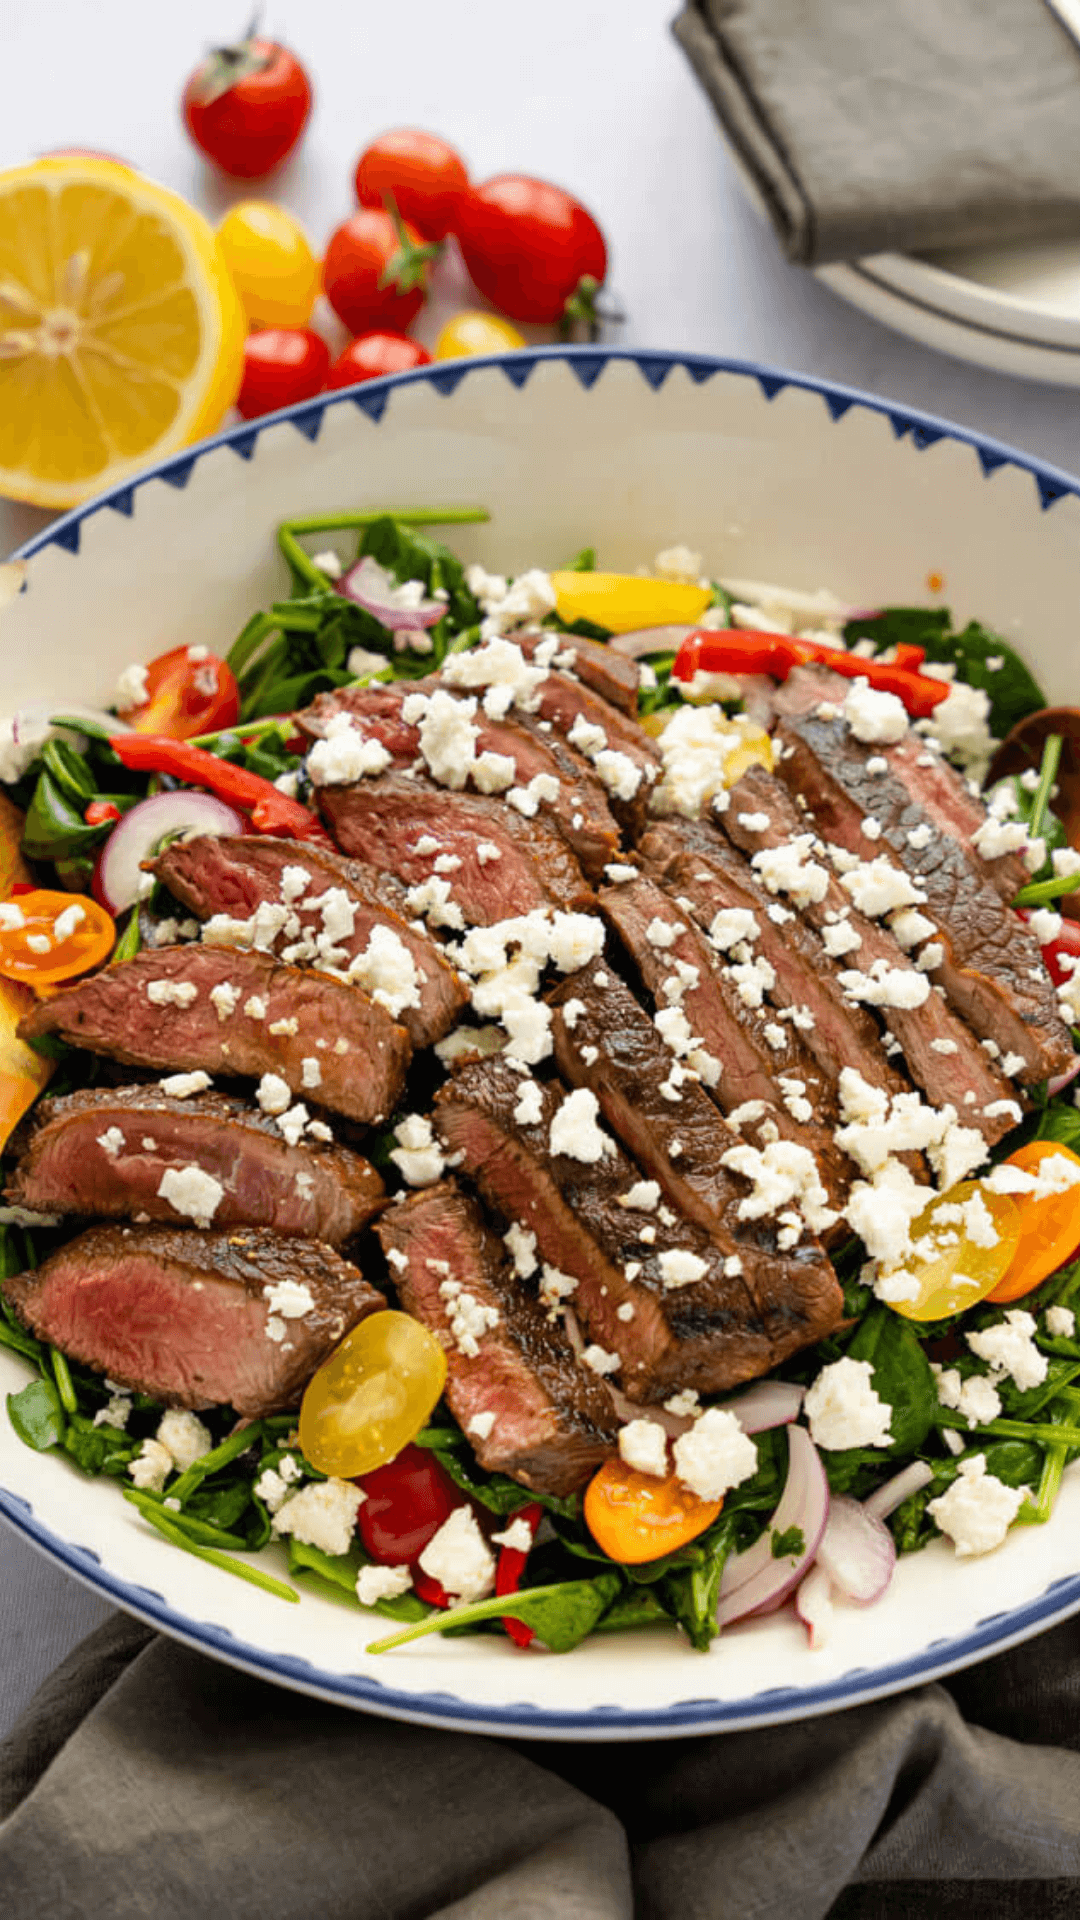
[(570, 797), (236, 874), (513, 1383), (707, 874), (943, 1056), (613, 675), (991, 968), (128, 1153), (706, 1333), (769, 1089), (606, 1043), (468, 860), (196, 1319), (598, 729), (324, 1039)]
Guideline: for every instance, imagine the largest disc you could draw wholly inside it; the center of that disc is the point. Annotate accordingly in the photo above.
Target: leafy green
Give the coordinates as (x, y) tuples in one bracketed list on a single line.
[(902, 1376), (338, 1572), (561, 1616), (410, 555), (493, 1490), (37, 1415), (789, 1544), (54, 827), (690, 1594), (583, 562), (981, 658)]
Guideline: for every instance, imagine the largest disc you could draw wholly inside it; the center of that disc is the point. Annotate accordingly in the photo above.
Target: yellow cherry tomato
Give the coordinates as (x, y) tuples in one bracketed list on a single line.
[(269, 257), (949, 1267), (372, 1396), (623, 602), (23, 1073), (1049, 1228), (46, 937), (752, 748), (473, 332), (635, 1517)]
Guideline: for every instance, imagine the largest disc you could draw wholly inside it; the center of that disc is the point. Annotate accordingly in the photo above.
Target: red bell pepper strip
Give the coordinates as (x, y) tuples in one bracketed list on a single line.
[(509, 1572), (742, 650), (270, 810)]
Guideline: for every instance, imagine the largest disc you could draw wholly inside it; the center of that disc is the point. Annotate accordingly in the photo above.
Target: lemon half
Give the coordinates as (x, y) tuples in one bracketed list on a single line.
[(121, 334)]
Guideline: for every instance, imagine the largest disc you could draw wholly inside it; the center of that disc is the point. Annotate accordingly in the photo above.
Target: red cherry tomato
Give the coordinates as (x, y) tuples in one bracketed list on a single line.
[(246, 106), (188, 691), (423, 173), (407, 1502), (531, 248), (376, 353), (1061, 955), (281, 365), (375, 275)]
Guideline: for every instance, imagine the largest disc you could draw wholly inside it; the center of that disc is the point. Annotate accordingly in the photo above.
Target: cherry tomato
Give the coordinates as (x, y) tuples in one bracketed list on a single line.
[(45, 937), (188, 691), (406, 1503), (636, 1517), (473, 332), (1060, 953), (374, 354), (1049, 1228), (948, 1269), (269, 257), (245, 106), (423, 174), (532, 250), (281, 366), (375, 272), (372, 1396)]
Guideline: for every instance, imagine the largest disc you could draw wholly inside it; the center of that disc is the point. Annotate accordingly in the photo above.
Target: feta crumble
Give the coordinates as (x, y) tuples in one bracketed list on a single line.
[(322, 1515), (191, 1192), (643, 1447), (714, 1455), (459, 1558), (844, 1409), (978, 1509)]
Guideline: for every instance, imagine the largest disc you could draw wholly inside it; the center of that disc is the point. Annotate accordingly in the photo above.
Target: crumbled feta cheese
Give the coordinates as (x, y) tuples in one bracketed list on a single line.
[(116, 1412), (575, 1130), (67, 921), (290, 1298), (180, 1086), (598, 1360), (910, 928), (844, 1408), (789, 869), (111, 1142), (293, 1122), (731, 925), (874, 716), (529, 1110), (694, 749), (840, 938), (481, 1425), (780, 1173), (191, 1192), (643, 1196), (527, 800), (172, 993), (345, 754), (185, 1437), (995, 838), (643, 1447), (522, 1248), (886, 986), (1010, 1348), (273, 1094), (151, 1466), (555, 1287), (975, 1398), (417, 1155), (681, 1268), (132, 689), (1065, 862), (499, 665), (459, 1558), (678, 563), (518, 1536), (223, 999), (877, 887), (433, 902), (1061, 1323), (468, 1318), (978, 1509), (322, 1515), (714, 1455), (375, 1583)]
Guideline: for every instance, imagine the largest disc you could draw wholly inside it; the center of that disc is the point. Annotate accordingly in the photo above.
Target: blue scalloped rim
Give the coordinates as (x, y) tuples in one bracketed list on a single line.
[(609, 1722)]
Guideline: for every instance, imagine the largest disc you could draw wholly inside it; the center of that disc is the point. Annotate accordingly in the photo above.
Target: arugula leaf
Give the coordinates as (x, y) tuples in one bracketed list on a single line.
[(981, 657), (37, 1416)]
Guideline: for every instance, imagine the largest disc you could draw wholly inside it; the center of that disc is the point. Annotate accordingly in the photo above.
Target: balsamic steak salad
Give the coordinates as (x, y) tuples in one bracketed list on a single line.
[(549, 1098)]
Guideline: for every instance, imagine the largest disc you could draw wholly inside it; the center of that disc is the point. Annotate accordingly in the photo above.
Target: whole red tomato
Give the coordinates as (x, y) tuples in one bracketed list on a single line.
[(532, 250), (423, 173), (373, 354), (406, 1502), (375, 272), (246, 106), (281, 365)]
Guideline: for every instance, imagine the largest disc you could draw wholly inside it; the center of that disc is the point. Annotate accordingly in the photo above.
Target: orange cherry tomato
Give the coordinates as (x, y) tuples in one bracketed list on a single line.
[(45, 937), (636, 1517), (188, 692), (1049, 1229)]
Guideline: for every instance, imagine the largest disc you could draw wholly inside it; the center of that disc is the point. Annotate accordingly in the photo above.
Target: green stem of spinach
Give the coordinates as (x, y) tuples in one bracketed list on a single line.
[(1043, 1436), (200, 1531), (215, 1559), (1051, 760), (65, 1386), (516, 1605), (1039, 893), (300, 562), (229, 1450), (1035, 1511)]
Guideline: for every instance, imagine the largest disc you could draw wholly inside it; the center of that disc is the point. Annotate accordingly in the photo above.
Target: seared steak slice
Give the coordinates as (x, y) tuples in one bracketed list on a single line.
[(235, 875), (156, 1011), (613, 675), (992, 969), (594, 727), (708, 1334), (190, 1317), (579, 806), (509, 865), (739, 1066), (703, 870), (553, 1420), (105, 1153), (604, 1041)]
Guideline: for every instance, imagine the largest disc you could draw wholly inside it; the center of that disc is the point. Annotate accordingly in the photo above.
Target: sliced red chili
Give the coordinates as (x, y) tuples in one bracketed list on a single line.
[(510, 1572), (271, 810), (742, 650)]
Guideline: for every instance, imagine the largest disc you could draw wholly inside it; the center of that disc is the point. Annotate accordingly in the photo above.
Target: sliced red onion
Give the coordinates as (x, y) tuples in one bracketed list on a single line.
[(646, 640), (814, 1605), (1061, 1080), (768, 1403), (118, 877), (856, 1551), (376, 590), (900, 1488), (755, 1582)]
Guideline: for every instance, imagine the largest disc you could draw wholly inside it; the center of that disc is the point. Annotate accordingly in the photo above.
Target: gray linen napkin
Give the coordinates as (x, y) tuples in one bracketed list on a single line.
[(896, 125), (148, 1783)]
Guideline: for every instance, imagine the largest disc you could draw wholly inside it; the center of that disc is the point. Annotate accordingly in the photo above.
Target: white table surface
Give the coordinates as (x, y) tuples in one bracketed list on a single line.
[(594, 95)]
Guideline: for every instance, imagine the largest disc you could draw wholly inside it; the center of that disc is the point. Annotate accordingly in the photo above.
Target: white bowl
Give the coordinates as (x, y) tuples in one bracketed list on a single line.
[(769, 476)]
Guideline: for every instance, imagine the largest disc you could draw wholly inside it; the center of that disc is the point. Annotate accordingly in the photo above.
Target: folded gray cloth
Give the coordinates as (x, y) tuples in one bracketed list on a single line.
[(148, 1783), (896, 125)]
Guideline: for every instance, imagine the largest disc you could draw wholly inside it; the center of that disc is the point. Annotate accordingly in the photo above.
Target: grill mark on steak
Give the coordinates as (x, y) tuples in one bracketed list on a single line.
[(606, 672), (945, 1076), (236, 874), (554, 1422), (992, 970), (708, 1335), (318, 1192), (109, 1012), (183, 1316), (748, 1068), (382, 820), (563, 700)]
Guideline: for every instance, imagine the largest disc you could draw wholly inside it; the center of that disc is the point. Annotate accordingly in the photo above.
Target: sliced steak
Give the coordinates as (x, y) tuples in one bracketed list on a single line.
[(706, 874), (992, 969), (156, 1011), (110, 1154), (553, 1422), (190, 1317), (943, 1056), (508, 865), (778, 1089), (595, 728), (235, 875), (604, 1041), (613, 675), (708, 1334)]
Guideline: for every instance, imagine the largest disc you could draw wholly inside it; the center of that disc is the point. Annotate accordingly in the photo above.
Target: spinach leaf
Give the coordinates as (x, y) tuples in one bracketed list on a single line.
[(54, 827), (37, 1416), (902, 1376), (493, 1490), (690, 1594), (337, 1572), (99, 1449), (561, 1616), (789, 1544), (638, 1607), (411, 555), (981, 658), (582, 562)]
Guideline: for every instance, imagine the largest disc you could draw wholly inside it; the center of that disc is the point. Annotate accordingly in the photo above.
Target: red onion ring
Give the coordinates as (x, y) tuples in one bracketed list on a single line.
[(1062, 1080), (856, 1552), (909, 1480), (118, 875), (755, 1582), (374, 589)]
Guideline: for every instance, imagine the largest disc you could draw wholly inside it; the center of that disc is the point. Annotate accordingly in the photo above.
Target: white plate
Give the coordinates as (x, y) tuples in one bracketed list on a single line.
[(770, 476)]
